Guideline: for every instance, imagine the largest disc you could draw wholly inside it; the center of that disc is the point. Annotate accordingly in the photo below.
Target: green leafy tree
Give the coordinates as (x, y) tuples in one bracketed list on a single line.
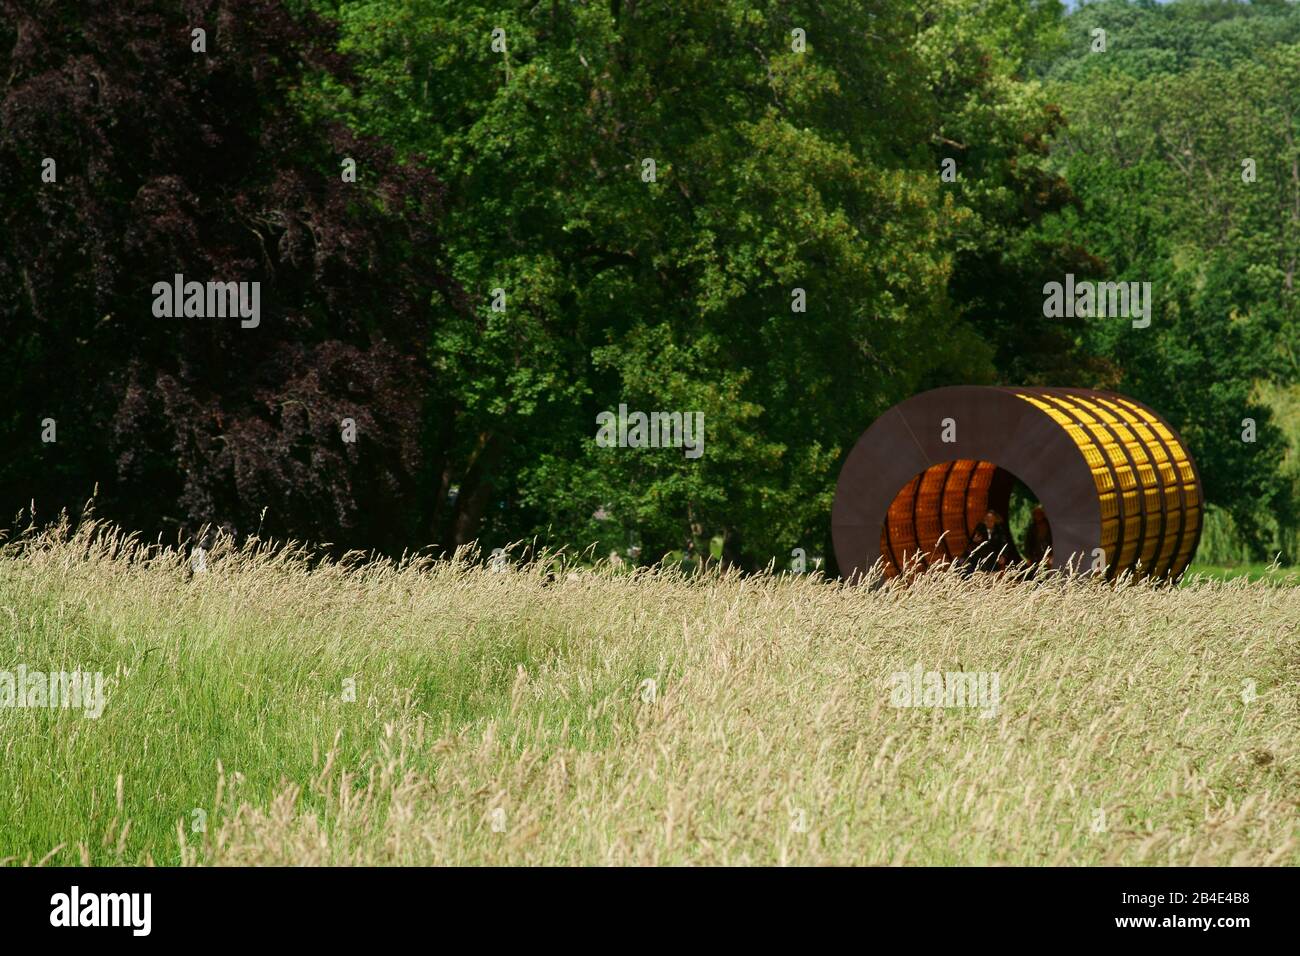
[(1188, 177), (796, 146)]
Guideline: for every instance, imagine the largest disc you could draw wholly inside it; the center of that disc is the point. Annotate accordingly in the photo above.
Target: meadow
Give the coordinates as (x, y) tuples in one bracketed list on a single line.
[(271, 708)]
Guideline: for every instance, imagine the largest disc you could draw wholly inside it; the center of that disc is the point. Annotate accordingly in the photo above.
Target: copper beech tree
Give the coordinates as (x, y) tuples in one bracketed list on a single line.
[(147, 141)]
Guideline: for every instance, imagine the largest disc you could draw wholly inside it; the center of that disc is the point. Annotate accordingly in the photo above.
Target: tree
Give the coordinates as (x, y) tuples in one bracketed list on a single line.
[(996, 126), (183, 152), (794, 162), (1158, 159)]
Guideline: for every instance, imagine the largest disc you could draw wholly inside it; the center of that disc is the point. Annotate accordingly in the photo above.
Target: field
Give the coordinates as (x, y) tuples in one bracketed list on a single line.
[(1272, 573), (592, 717)]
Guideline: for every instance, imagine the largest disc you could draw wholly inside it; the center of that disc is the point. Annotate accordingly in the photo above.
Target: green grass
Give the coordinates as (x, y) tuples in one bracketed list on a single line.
[(1275, 574), (507, 718)]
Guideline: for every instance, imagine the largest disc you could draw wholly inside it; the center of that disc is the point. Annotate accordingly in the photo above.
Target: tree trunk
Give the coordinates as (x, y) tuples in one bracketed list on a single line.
[(476, 492)]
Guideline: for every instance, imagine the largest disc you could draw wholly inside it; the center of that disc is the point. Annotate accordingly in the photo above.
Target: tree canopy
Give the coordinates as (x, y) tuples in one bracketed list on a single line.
[(797, 151), (786, 215), (128, 155)]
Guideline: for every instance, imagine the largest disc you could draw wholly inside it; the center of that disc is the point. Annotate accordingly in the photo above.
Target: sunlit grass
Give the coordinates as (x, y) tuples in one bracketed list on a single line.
[(509, 717)]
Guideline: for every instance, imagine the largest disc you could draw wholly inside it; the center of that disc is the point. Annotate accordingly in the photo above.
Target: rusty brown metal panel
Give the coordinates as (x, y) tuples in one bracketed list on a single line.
[(928, 509), (954, 520), (993, 425), (943, 535)]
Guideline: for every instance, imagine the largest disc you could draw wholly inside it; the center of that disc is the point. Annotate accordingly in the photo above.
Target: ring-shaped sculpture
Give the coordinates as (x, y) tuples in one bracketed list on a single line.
[(1120, 491)]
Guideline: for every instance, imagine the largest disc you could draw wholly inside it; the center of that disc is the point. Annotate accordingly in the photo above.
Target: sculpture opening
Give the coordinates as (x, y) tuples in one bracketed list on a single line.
[(940, 516)]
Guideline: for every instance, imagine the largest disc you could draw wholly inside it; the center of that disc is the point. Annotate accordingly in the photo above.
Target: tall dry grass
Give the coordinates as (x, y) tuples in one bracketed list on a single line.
[(506, 718)]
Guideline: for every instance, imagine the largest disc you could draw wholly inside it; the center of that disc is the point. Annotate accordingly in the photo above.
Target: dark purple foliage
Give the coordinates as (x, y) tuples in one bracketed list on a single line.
[(171, 161)]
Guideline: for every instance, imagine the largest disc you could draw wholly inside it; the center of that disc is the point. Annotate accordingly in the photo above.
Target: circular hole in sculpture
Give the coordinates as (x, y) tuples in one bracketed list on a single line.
[(966, 512)]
